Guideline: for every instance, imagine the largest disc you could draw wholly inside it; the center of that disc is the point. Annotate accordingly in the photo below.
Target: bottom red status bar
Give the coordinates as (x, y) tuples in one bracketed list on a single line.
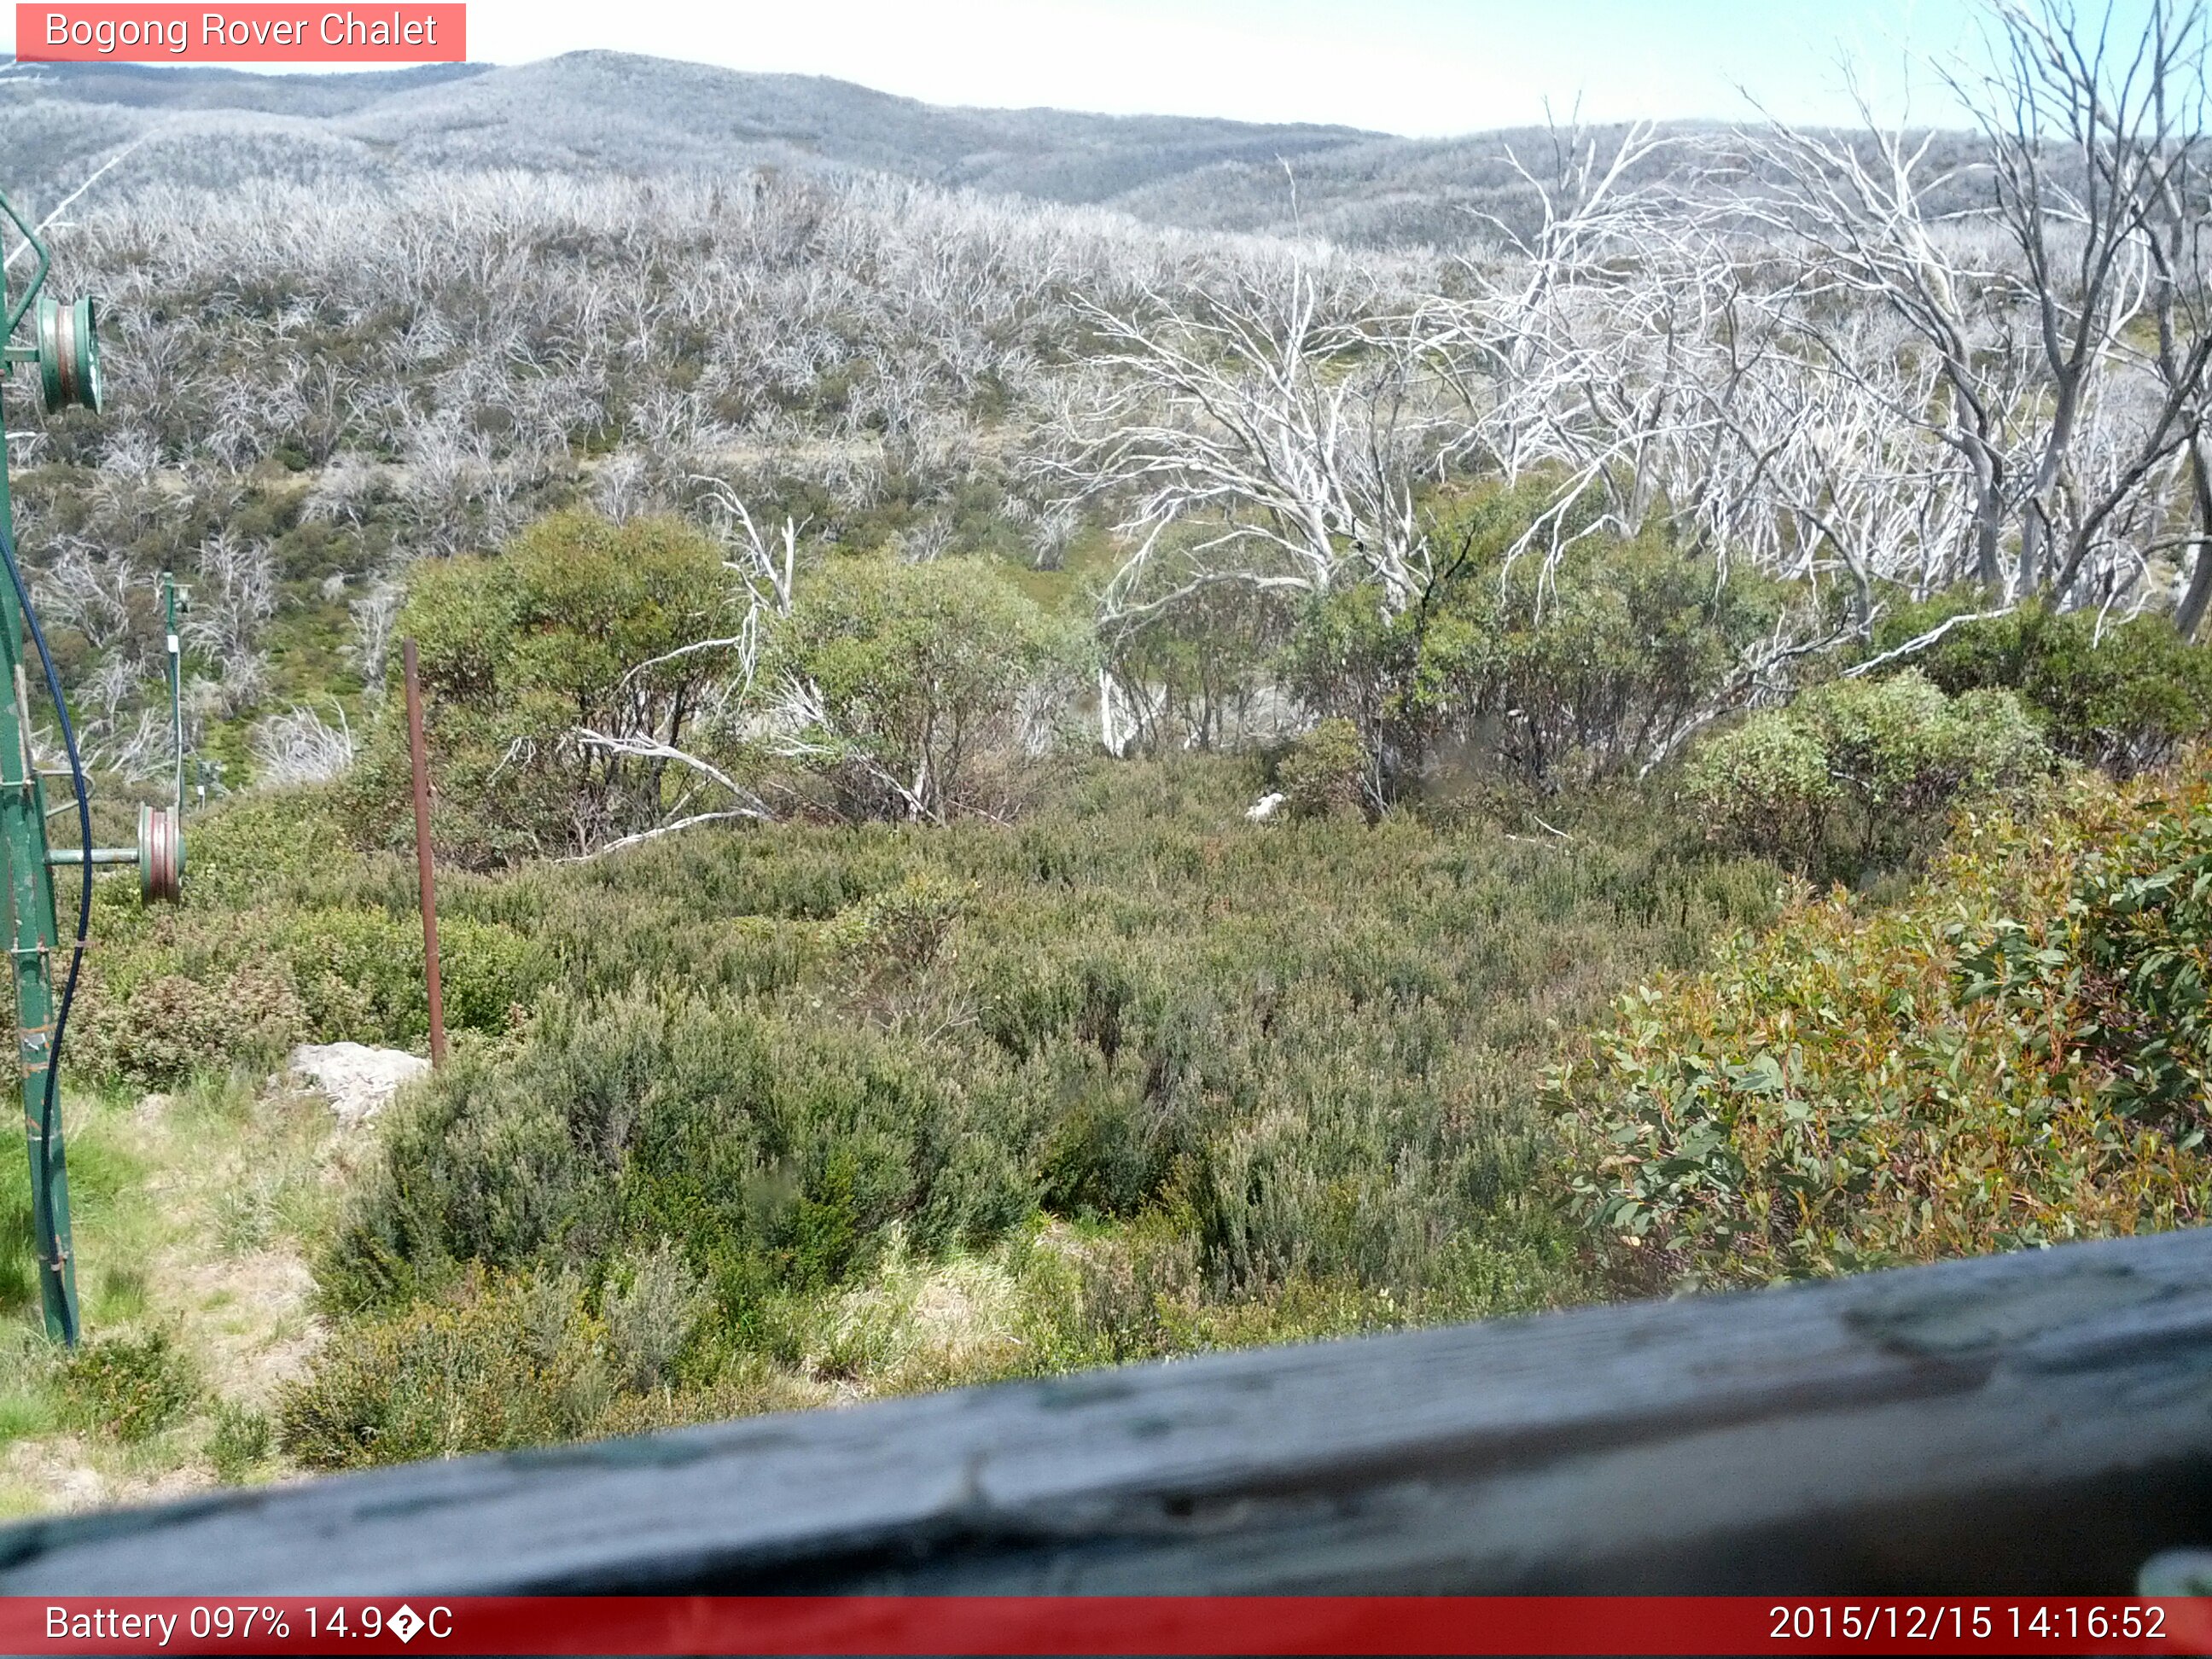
[(1100, 1624)]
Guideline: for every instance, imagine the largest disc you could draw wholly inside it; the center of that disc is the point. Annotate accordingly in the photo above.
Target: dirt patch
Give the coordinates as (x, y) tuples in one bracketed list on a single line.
[(252, 1315), (57, 1470)]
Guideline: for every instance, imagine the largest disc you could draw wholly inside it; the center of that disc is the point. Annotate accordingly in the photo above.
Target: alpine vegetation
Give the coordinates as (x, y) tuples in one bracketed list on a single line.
[(1029, 774)]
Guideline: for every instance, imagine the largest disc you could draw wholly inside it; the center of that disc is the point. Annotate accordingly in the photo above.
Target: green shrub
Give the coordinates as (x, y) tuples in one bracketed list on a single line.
[(901, 930), (1554, 672), (745, 1388), (570, 627), (361, 976), (1325, 771), (252, 845), (2013, 1055), (132, 1387), (775, 1155), (2121, 976), (1206, 660), (1860, 773), (2120, 695), (495, 1364), (1767, 785), (653, 1305), (918, 669), (1350, 657), (1578, 671), (168, 1029), (206, 990), (240, 1442)]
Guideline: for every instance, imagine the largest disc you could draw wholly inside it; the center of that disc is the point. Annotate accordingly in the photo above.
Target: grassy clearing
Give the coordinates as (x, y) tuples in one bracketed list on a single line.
[(194, 1214)]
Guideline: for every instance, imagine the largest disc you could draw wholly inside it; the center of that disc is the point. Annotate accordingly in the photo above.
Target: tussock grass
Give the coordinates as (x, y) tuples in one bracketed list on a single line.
[(193, 1215)]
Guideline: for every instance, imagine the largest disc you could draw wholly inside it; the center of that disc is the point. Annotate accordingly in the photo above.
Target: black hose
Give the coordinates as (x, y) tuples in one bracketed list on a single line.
[(42, 1196)]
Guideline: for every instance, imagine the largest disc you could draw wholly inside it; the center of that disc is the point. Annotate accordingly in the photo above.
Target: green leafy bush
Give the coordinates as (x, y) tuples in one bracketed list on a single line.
[(2013, 1055), (360, 978), (254, 845), (2120, 694), (132, 1387), (916, 670), (165, 1029), (1325, 771), (1582, 672), (775, 1155), (901, 930), (1204, 660), (1350, 657), (1860, 773), (571, 627), (1555, 673), (496, 1363), (2120, 977)]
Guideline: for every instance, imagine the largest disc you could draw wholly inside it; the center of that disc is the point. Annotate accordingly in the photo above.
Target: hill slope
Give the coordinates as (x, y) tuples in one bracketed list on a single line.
[(601, 110), (604, 110)]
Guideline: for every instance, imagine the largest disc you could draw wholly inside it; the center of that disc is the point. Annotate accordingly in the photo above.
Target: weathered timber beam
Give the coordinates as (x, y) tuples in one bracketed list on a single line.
[(2039, 1422)]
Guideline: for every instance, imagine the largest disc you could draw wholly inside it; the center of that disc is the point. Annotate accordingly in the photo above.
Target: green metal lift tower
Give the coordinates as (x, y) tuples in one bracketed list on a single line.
[(63, 351)]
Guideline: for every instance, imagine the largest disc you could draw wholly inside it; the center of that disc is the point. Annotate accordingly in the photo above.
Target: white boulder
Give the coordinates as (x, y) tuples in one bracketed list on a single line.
[(360, 1081), (1265, 808)]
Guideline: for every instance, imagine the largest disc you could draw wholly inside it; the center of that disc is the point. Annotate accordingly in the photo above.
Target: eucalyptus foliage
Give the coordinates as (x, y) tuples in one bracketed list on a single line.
[(2014, 1056)]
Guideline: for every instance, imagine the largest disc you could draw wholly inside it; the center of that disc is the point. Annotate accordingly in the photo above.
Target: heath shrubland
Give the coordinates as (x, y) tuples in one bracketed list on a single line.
[(1018, 791)]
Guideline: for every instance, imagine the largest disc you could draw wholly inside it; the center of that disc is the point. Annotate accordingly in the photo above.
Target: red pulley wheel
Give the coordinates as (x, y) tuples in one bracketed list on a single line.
[(160, 855)]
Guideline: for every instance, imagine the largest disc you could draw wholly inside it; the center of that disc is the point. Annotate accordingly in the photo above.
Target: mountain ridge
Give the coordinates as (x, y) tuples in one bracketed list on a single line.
[(599, 110)]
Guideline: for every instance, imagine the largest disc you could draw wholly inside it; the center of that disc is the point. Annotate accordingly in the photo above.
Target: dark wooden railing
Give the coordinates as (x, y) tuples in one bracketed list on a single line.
[(2039, 1423)]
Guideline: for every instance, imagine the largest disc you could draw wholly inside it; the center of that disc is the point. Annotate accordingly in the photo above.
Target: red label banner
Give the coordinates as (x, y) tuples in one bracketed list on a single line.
[(1102, 1625), (259, 33)]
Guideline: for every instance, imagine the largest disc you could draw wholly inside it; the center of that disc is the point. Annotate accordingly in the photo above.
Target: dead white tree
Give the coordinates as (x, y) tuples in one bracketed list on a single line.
[(1282, 421), (1566, 351), (1855, 207), (2029, 312), (233, 599), (2088, 130), (682, 815), (297, 746)]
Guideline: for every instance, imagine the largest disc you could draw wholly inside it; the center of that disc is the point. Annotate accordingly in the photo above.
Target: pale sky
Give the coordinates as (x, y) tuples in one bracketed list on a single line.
[(1424, 67)]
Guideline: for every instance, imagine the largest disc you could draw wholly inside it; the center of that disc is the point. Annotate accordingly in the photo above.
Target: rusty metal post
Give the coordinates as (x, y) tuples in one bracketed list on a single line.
[(423, 869)]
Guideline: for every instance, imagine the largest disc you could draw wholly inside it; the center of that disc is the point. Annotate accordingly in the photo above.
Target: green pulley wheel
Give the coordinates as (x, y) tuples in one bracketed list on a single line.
[(68, 353), (160, 855)]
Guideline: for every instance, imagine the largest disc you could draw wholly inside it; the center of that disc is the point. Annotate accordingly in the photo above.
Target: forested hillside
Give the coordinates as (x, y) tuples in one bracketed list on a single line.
[(600, 113), (1038, 765)]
